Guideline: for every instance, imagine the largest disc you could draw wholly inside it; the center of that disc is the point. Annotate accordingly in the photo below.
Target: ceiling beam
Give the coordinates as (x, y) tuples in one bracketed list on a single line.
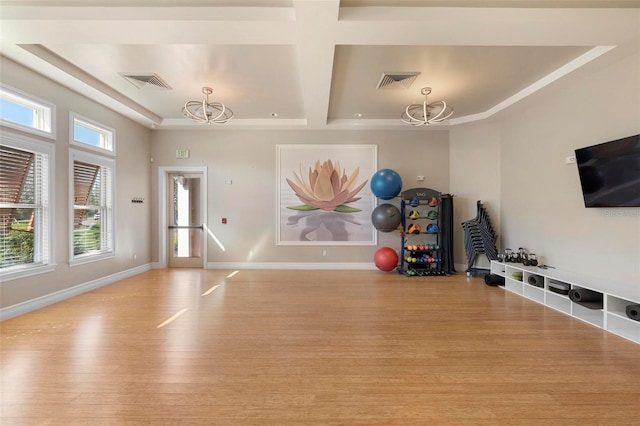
[(315, 22), (486, 27)]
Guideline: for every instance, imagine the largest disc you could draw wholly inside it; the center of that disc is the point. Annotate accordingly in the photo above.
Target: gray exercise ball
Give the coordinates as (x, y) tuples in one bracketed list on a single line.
[(386, 217)]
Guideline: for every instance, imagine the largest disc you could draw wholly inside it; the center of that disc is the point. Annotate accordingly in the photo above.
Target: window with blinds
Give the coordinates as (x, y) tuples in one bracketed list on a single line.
[(92, 183), (24, 205), (25, 112)]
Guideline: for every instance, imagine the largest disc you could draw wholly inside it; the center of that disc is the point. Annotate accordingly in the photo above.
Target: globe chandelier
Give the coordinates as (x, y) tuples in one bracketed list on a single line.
[(207, 112), (426, 113)]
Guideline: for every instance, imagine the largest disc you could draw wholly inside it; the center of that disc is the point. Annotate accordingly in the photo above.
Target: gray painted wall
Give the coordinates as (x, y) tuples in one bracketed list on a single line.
[(248, 159), (542, 205), (132, 180), (475, 176), (540, 201)]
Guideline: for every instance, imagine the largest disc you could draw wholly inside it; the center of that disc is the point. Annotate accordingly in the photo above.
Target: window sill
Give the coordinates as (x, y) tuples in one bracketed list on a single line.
[(81, 260), (95, 149), (24, 272), (33, 131)]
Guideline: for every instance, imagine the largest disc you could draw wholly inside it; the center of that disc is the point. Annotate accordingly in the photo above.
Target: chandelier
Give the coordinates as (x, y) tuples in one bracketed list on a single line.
[(207, 112), (426, 113)]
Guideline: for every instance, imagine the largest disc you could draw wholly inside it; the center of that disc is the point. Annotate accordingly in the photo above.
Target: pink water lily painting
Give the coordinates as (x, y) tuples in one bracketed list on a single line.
[(324, 196), (326, 187)]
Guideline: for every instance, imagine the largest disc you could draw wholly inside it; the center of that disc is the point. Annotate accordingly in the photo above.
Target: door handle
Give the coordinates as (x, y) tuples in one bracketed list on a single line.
[(200, 227)]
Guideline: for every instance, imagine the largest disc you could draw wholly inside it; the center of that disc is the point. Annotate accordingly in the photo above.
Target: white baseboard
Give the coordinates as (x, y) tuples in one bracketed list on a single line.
[(157, 265), (58, 296), (292, 265)]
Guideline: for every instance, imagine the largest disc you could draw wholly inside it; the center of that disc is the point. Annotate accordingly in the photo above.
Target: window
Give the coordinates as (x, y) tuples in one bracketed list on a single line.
[(89, 134), (25, 210), (92, 221), (24, 112)]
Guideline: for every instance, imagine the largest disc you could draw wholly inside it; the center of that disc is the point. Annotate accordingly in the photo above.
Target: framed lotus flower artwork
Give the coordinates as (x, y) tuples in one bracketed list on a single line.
[(324, 195)]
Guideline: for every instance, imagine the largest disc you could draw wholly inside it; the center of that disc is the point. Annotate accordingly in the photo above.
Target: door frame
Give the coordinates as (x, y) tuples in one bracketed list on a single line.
[(163, 173)]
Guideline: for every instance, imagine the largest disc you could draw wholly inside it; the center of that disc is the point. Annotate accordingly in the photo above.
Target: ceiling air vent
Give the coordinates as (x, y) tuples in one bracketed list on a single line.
[(146, 81), (397, 80)]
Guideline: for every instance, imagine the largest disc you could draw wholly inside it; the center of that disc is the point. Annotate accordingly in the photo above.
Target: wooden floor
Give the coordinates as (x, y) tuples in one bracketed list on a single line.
[(311, 348)]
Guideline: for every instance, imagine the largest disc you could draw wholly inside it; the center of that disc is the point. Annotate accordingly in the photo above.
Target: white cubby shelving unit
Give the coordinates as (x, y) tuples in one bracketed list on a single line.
[(550, 287)]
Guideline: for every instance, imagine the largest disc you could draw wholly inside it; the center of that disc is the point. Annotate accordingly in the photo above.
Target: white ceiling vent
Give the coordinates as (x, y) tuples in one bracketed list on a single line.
[(146, 81), (397, 80)]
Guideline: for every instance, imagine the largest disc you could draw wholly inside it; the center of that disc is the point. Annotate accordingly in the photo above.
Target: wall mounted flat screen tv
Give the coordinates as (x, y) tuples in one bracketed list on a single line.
[(610, 173)]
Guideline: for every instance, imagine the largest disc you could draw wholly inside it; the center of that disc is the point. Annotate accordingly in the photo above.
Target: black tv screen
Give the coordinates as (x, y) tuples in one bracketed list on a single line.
[(610, 173)]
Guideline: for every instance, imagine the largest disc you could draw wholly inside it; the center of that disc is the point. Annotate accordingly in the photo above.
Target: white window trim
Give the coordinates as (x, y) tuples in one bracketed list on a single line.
[(31, 102), (27, 144), (91, 158), (98, 127)]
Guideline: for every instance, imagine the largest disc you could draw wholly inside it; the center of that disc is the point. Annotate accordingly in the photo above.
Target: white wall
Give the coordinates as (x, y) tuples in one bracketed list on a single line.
[(248, 158), (474, 156), (132, 180), (540, 198), (542, 205)]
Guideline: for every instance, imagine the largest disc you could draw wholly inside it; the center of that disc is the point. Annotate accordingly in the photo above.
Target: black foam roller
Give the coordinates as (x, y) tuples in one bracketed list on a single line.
[(587, 298), (493, 280), (536, 280), (633, 312)]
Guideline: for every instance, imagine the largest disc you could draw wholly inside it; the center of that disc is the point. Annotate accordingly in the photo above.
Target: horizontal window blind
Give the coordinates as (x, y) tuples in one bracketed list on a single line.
[(93, 208), (23, 207)]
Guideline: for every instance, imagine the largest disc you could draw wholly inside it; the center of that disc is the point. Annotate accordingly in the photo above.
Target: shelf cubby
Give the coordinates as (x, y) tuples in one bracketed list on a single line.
[(498, 268), (554, 293), (558, 302), (533, 280), (511, 282), (618, 306), (618, 321), (558, 287), (624, 327), (534, 293), (533, 285), (592, 316), (513, 285)]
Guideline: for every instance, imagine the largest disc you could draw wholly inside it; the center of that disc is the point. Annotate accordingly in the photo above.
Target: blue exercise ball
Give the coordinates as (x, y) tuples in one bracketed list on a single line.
[(386, 217), (386, 184)]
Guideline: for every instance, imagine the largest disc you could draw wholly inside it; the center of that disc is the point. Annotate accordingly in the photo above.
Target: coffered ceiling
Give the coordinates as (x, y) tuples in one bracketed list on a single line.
[(313, 64)]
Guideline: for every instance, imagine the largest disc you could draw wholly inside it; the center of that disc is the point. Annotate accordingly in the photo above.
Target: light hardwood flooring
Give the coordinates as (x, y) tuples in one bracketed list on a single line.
[(311, 348)]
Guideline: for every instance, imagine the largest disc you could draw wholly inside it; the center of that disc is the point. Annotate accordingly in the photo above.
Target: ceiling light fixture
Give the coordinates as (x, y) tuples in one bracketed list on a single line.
[(207, 112), (426, 113)]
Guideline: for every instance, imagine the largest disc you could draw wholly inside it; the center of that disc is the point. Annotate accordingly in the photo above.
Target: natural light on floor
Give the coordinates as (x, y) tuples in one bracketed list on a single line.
[(172, 318), (211, 290)]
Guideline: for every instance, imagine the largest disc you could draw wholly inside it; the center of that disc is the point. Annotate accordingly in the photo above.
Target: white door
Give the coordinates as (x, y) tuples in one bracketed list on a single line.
[(184, 219)]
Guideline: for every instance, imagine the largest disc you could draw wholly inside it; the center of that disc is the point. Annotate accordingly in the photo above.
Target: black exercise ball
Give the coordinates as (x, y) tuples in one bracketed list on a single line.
[(386, 217)]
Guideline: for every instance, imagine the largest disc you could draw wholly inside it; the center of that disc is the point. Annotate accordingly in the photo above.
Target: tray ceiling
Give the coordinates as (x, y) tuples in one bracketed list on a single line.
[(313, 64)]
